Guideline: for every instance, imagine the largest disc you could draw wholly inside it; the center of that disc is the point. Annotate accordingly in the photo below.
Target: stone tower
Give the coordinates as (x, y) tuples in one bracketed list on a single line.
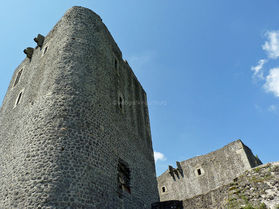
[(74, 124)]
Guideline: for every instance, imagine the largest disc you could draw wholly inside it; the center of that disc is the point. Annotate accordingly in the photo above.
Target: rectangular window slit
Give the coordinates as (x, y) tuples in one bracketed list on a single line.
[(123, 177), (115, 64), (18, 98), (18, 77)]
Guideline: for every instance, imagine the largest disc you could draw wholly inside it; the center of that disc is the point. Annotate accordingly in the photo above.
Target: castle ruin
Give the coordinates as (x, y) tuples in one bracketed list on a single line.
[(74, 124), (201, 174)]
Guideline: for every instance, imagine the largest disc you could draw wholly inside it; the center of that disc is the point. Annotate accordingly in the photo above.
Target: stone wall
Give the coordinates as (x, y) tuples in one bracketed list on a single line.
[(257, 188), (202, 174), (75, 129)]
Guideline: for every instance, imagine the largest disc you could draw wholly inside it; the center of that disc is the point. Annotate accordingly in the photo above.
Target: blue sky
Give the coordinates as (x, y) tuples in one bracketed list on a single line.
[(210, 67)]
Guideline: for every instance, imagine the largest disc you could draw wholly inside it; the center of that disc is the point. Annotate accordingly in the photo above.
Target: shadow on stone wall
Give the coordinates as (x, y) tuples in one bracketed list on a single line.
[(173, 204)]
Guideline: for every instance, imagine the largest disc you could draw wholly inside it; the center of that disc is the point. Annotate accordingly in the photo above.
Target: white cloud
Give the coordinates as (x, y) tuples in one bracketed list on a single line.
[(258, 72), (271, 46), (258, 108), (159, 156), (272, 108), (139, 62), (272, 82)]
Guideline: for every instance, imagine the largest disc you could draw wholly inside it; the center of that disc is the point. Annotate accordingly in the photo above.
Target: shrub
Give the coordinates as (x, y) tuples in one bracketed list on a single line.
[(262, 206)]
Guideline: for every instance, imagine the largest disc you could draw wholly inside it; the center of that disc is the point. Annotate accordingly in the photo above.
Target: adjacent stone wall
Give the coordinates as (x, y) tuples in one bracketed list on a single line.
[(255, 189), (201, 174), (253, 160), (61, 145)]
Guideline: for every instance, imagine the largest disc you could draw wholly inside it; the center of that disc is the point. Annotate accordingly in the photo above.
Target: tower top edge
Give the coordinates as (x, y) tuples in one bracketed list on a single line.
[(80, 9)]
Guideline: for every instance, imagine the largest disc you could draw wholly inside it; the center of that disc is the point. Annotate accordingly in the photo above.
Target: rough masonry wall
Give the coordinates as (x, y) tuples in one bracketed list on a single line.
[(204, 173), (253, 160), (257, 188), (60, 146)]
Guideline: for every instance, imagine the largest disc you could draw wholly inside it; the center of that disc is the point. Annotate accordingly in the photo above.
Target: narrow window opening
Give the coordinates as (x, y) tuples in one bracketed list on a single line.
[(120, 102), (45, 50), (123, 177), (18, 77), (115, 64), (163, 189), (18, 98), (199, 172)]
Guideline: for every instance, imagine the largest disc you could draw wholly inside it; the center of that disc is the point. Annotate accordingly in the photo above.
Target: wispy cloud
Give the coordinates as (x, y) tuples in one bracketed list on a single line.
[(258, 69), (141, 60), (159, 156), (272, 108), (272, 82), (258, 108), (271, 77), (271, 46)]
